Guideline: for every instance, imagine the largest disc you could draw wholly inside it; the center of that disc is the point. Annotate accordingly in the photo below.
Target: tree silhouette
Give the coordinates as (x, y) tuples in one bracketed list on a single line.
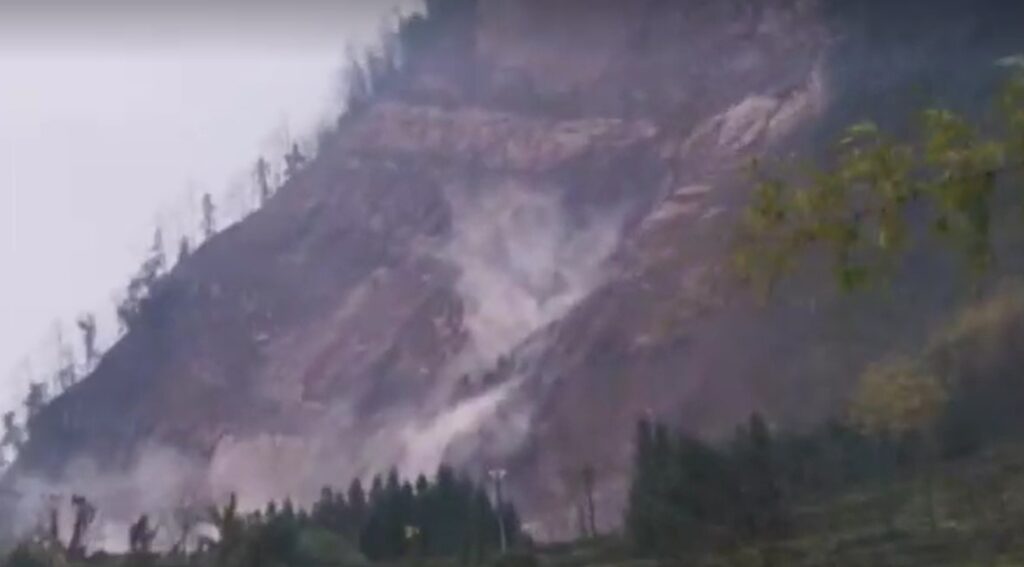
[(35, 400), (209, 221), (66, 374), (262, 173), (14, 434), (184, 249), (87, 326), (141, 536), (85, 514), (294, 161)]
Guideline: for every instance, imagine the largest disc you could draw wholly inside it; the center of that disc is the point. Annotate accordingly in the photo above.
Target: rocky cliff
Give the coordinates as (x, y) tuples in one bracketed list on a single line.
[(509, 257)]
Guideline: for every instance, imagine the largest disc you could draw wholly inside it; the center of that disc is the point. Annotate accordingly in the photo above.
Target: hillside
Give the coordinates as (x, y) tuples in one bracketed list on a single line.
[(518, 249)]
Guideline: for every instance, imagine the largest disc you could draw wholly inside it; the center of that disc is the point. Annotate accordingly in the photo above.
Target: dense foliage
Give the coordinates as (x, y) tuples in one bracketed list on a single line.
[(449, 516), (911, 419), (878, 197)]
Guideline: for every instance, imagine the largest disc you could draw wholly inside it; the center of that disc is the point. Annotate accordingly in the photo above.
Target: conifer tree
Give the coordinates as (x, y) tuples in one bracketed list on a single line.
[(184, 249)]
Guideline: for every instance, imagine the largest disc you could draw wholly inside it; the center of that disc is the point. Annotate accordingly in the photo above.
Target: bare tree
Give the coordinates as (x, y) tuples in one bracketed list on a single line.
[(186, 516), (87, 326), (35, 400), (154, 265), (141, 286), (263, 180), (14, 434), (85, 514), (294, 161), (141, 536), (66, 374), (53, 532), (184, 249), (209, 223)]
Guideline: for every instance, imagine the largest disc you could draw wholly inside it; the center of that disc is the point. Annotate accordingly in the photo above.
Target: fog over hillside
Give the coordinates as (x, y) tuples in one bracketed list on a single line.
[(115, 119)]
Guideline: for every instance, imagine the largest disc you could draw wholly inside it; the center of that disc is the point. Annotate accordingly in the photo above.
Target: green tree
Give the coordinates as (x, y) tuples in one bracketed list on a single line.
[(897, 399), (356, 508), (640, 515), (878, 196), (230, 529), (763, 512)]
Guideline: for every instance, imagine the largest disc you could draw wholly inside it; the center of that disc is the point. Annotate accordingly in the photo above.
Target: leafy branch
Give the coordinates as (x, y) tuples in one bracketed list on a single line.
[(879, 196)]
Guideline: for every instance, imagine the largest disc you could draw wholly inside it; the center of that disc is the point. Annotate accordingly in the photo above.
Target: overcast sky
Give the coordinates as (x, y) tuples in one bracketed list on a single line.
[(116, 119)]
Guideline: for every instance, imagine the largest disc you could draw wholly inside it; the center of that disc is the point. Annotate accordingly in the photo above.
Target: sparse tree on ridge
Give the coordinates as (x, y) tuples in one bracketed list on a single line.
[(294, 161), (66, 374), (35, 400), (262, 172), (87, 326), (184, 249), (141, 286), (357, 83), (209, 223), (14, 434), (154, 266)]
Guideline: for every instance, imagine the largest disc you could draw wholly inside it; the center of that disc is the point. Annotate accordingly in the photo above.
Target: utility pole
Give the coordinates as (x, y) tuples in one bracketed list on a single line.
[(497, 475)]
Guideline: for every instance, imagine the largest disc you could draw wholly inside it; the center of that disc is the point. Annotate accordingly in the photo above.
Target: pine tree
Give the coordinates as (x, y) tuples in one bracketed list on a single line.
[(184, 249), (763, 512), (640, 515), (324, 509), (357, 507)]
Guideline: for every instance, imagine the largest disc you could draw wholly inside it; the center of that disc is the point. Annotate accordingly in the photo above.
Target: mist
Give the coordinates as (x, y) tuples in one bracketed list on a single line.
[(116, 119)]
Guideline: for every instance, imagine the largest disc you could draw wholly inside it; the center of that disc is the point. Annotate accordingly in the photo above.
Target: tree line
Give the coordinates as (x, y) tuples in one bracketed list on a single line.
[(907, 417), (448, 516)]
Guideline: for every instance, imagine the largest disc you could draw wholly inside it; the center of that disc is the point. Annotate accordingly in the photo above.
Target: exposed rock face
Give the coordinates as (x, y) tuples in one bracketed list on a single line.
[(520, 253)]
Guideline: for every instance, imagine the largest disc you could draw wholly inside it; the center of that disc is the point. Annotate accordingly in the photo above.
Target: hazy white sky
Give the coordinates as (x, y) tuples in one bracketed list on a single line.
[(111, 126)]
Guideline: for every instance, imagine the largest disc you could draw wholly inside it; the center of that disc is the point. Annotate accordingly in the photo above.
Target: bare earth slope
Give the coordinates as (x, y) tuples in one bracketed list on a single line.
[(524, 248)]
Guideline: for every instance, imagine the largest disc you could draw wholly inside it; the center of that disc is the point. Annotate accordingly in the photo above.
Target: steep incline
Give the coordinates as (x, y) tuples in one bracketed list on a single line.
[(522, 249)]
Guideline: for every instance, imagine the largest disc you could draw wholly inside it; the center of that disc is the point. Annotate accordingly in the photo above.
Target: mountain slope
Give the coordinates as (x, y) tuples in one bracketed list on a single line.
[(523, 246)]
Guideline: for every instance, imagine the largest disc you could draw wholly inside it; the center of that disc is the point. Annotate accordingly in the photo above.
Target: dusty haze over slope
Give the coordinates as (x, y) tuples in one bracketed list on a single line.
[(520, 248)]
